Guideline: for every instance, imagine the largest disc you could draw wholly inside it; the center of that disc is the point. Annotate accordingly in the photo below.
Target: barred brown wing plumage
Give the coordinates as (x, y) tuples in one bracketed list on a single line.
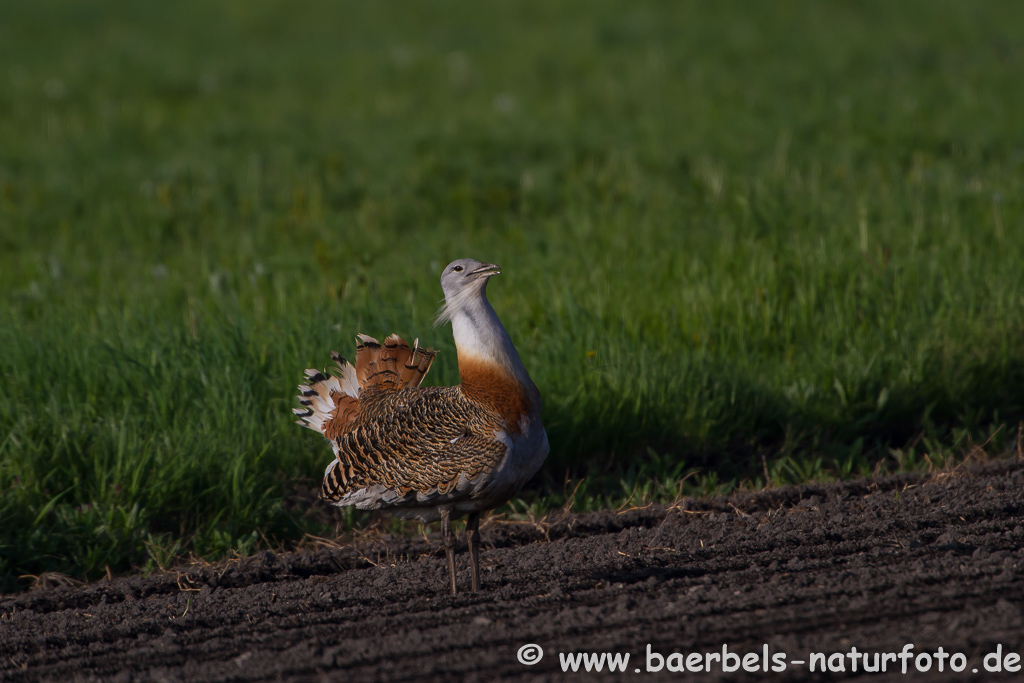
[(414, 441)]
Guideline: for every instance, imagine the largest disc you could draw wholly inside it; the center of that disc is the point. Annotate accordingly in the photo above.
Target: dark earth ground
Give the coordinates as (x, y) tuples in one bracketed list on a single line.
[(933, 560)]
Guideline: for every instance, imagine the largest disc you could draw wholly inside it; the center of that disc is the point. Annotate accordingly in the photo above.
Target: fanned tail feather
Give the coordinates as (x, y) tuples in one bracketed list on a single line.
[(328, 405), (367, 353), (331, 403), (417, 365), (391, 365)]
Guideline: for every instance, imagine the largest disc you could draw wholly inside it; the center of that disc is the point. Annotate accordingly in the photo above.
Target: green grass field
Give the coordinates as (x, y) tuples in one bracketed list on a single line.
[(737, 239)]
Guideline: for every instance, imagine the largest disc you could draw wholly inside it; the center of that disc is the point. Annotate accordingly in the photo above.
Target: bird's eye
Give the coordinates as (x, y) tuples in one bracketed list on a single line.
[(458, 269)]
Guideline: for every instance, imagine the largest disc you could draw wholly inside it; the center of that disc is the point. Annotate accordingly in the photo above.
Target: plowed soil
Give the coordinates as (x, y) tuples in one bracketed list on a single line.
[(936, 561)]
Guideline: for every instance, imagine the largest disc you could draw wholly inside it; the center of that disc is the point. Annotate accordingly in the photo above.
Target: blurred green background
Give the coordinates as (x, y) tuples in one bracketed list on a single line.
[(739, 241)]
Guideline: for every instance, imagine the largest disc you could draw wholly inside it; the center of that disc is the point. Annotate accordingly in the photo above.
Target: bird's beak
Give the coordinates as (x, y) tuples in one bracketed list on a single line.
[(486, 270)]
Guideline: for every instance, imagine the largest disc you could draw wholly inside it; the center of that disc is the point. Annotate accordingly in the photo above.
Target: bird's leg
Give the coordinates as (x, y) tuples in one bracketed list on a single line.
[(448, 540), (473, 532)]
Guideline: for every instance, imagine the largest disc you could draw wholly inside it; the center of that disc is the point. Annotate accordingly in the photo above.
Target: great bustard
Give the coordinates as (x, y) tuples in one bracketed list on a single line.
[(432, 453)]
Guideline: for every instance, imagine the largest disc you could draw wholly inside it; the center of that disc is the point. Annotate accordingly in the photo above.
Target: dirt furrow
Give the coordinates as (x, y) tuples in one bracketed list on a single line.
[(933, 561)]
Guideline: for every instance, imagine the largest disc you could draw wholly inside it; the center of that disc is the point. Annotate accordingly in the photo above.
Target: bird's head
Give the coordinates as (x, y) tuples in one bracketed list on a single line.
[(462, 281)]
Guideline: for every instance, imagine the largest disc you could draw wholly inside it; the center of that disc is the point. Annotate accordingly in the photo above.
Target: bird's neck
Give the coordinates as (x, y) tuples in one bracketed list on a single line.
[(489, 365)]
